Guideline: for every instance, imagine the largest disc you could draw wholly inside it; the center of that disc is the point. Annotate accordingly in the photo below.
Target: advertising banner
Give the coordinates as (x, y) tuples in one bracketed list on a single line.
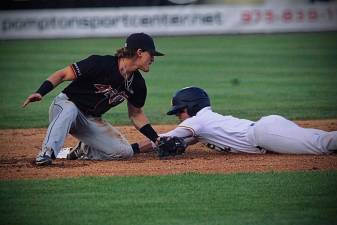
[(167, 20)]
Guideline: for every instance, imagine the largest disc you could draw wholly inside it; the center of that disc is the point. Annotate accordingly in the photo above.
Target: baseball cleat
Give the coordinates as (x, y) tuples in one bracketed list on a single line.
[(44, 160), (76, 152)]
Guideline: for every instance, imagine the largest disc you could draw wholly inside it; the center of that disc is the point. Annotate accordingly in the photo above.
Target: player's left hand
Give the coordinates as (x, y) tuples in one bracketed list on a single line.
[(32, 98), (170, 146)]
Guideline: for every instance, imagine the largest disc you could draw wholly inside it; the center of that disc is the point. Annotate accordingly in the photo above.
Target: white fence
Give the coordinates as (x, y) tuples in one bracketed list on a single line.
[(177, 20)]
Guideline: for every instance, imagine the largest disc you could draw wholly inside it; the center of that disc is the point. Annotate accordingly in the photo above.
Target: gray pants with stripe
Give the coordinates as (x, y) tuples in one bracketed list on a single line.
[(104, 141)]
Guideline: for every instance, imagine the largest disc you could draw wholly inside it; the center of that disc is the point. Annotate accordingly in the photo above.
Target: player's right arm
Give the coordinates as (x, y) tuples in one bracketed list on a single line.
[(183, 132), (49, 84), (180, 131)]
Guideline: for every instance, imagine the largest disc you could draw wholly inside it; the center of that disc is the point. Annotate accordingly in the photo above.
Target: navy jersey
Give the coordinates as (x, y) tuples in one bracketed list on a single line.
[(99, 86)]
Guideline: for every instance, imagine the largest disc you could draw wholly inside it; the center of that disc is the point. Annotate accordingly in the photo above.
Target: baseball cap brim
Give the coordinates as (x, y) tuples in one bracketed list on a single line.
[(155, 53), (174, 110)]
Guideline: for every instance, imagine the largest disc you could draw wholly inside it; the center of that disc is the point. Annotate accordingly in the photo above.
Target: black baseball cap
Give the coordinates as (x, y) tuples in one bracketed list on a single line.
[(142, 41)]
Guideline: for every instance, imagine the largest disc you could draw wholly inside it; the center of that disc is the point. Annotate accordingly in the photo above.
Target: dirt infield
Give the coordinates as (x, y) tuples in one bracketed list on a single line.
[(18, 148)]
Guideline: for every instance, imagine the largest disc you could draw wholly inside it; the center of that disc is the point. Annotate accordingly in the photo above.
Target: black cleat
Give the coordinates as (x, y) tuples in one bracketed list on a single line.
[(44, 160), (76, 152)]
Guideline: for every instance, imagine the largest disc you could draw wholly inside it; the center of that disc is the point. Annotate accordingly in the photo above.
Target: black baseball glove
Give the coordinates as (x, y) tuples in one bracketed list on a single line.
[(170, 146)]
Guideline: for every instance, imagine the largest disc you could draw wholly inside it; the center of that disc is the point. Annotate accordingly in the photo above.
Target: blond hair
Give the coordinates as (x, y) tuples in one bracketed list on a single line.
[(126, 52)]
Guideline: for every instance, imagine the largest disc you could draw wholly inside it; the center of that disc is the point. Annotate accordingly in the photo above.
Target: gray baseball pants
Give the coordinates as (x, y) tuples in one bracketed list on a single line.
[(104, 141), (277, 134)]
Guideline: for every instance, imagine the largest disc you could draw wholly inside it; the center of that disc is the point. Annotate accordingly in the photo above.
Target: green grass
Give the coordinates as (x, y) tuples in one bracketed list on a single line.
[(267, 198), (247, 76)]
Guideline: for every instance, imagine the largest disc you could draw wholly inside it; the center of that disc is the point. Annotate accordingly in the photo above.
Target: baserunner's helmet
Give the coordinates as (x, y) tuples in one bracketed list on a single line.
[(192, 98)]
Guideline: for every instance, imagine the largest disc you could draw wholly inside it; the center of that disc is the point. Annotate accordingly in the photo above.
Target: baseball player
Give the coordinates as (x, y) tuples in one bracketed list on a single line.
[(229, 134), (98, 84)]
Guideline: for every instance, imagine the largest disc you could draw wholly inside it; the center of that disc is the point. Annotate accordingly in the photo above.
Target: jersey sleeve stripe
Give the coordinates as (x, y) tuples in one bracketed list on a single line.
[(72, 67), (190, 129), (76, 70)]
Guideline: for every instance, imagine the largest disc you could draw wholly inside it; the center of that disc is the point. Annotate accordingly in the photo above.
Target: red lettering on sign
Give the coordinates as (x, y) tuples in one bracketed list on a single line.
[(312, 15), (287, 15), (300, 16), (269, 16), (246, 17)]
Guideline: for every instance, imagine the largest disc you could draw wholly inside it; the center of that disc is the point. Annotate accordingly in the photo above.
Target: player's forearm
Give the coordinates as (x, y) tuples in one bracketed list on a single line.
[(55, 79), (62, 75), (141, 122), (139, 119), (145, 146), (182, 132), (49, 84)]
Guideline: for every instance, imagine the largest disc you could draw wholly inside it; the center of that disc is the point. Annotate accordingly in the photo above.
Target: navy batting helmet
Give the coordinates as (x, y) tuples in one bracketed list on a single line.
[(192, 98)]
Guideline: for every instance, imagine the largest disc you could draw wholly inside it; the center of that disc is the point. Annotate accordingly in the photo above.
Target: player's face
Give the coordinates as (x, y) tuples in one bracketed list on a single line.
[(145, 60), (182, 115)]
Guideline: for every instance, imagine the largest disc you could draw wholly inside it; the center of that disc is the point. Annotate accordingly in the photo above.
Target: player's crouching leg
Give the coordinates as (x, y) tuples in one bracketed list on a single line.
[(120, 152), (126, 152)]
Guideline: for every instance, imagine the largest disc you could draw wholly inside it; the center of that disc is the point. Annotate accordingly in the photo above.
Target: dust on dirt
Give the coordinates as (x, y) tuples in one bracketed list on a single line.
[(18, 148)]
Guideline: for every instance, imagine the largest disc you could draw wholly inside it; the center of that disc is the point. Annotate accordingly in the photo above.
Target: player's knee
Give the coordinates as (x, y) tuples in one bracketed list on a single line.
[(125, 152)]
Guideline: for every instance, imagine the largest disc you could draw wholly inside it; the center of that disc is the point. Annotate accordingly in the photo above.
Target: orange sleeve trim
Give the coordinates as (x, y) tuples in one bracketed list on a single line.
[(189, 128), (73, 69)]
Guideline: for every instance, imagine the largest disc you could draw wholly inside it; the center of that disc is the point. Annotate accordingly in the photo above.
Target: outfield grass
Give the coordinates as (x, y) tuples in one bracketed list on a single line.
[(247, 76), (269, 198)]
